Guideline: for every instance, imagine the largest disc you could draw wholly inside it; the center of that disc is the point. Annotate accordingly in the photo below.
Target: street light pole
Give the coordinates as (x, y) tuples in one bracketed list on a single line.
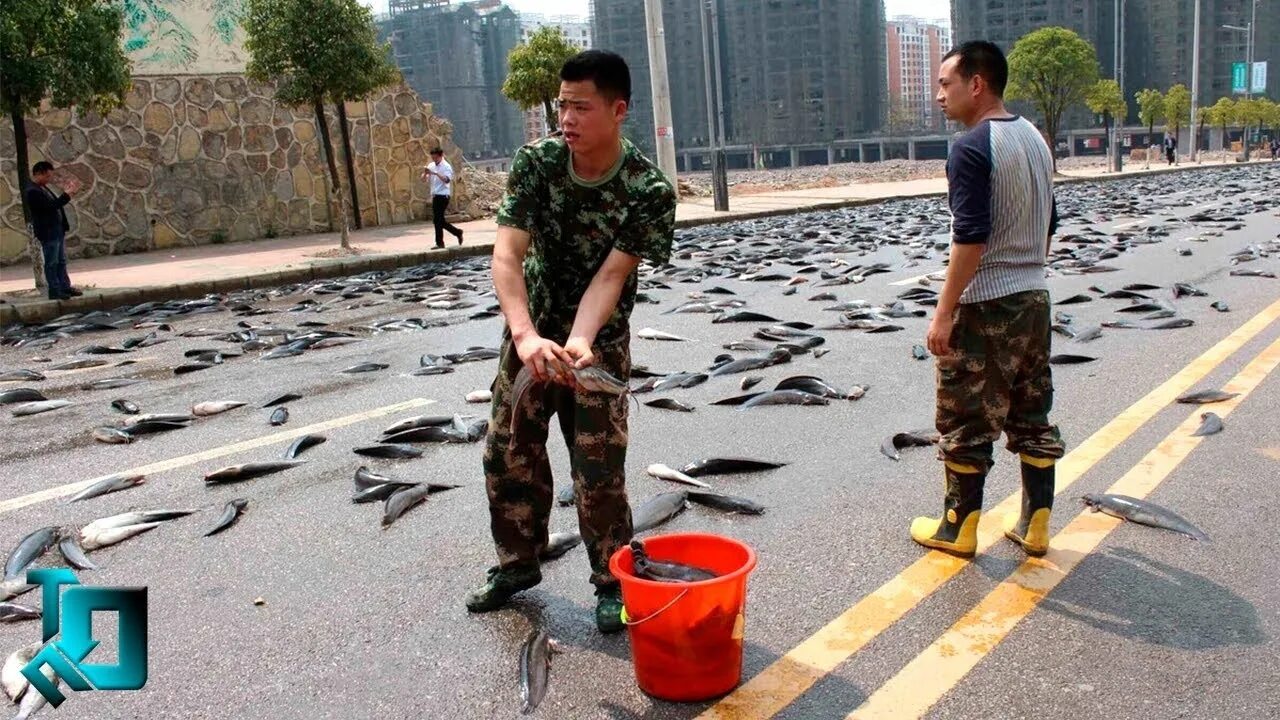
[(1248, 69), (664, 134), (715, 131), (1195, 85), (1117, 152)]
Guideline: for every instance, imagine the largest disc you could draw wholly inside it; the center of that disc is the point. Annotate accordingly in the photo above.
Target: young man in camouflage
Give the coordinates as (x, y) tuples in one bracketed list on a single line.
[(581, 211), (991, 328)]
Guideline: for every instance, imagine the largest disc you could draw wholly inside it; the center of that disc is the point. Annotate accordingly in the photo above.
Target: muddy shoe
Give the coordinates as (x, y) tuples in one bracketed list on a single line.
[(609, 609), (500, 585)]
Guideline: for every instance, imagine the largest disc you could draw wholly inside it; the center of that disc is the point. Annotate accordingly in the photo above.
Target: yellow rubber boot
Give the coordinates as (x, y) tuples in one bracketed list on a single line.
[(956, 532), (1031, 531)]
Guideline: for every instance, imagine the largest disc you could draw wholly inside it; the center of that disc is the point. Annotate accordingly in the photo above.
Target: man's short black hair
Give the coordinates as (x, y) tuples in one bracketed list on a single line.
[(607, 70), (43, 166), (437, 151), (980, 57)]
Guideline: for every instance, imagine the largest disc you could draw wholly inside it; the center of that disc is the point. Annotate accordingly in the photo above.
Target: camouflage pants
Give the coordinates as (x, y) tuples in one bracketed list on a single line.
[(518, 474), (997, 378)]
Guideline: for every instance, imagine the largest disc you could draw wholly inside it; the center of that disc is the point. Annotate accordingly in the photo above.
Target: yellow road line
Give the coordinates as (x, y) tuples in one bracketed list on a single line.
[(789, 677), (60, 491), (943, 664)]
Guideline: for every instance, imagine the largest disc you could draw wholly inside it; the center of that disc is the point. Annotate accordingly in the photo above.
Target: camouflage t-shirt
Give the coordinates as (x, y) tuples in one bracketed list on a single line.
[(574, 224)]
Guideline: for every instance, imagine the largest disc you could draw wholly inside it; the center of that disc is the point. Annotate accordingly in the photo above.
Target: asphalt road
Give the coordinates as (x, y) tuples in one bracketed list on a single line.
[(361, 622)]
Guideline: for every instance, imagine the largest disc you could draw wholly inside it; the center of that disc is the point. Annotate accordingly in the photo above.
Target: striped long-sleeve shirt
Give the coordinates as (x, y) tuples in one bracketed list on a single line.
[(1000, 188)]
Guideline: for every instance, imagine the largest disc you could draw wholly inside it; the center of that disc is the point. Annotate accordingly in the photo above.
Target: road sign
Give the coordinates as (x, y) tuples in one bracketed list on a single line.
[(1239, 77), (1259, 79)]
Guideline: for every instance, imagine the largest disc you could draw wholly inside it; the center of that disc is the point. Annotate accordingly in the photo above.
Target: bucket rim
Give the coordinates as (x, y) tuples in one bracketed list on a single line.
[(747, 567)]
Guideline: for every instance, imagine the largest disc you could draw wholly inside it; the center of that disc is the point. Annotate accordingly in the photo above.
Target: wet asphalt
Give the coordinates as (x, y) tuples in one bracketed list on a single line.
[(308, 608)]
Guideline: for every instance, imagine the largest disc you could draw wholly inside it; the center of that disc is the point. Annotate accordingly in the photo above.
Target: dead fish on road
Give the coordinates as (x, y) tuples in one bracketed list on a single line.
[(249, 471), (402, 501), (280, 416), (652, 334), (79, 364), (192, 367), (1143, 513), (28, 550), (1172, 324), (1220, 306), (658, 510), (418, 421), (558, 544), (432, 370), (726, 503), (479, 396), (364, 368), (916, 438), (1210, 424), (301, 444), (736, 399), (115, 528), (69, 548), (40, 406), (669, 404), (128, 407), (111, 484), (1202, 397), (661, 571), (287, 397), (728, 466), (812, 385), (366, 478), (750, 381), (15, 612), (21, 374), (14, 682), (111, 383), (535, 669), (389, 451), (784, 397), (919, 353), (1074, 299), (21, 395), (380, 492), (662, 472), (112, 436), (206, 409), (230, 514), (1068, 359)]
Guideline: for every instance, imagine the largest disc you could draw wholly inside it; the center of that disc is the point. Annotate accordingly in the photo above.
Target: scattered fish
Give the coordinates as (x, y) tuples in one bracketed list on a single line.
[(287, 397), (40, 406), (21, 395), (652, 334), (784, 397), (1143, 513), (726, 503), (389, 451), (662, 472), (658, 509), (112, 436), (69, 548), (279, 416), (249, 471), (728, 466), (1205, 396), (535, 669), (28, 550), (111, 484), (128, 407), (401, 501), (364, 368), (479, 396), (1210, 424), (205, 409), (1068, 359), (749, 382), (560, 543), (230, 514), (916, 438), (301, 444), (15, 612), (660, 571), (669, 404)]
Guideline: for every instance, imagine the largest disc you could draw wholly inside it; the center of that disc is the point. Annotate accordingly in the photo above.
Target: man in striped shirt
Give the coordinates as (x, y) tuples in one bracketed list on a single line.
[(991, 332)]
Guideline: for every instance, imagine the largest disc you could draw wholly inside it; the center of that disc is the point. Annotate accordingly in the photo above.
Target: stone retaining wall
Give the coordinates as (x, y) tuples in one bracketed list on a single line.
[(199, 159)]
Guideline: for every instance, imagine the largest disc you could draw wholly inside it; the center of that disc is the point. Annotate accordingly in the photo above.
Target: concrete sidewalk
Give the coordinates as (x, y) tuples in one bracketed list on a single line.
[(117, 280)]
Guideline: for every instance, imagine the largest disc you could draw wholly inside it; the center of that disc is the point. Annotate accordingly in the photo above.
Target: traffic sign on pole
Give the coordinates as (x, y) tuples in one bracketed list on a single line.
[(1258, 82)]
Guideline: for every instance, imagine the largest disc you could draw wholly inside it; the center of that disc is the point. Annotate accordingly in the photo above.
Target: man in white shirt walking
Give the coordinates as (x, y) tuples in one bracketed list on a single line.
[(441, 174)]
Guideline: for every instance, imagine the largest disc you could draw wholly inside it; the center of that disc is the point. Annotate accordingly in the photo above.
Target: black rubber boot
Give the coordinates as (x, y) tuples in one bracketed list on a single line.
[(956, 532), (1032, 529), (609, 609), (500, 585)]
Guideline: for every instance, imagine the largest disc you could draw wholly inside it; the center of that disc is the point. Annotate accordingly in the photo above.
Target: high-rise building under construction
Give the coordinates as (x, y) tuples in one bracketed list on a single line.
[(792, 71)]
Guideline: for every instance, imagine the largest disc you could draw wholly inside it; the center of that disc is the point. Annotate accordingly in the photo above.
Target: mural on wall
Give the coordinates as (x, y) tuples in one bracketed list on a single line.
[(166, 37)]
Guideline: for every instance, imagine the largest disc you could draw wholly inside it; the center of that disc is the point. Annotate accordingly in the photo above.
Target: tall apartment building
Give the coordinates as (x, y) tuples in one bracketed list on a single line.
[(577, 31), (914, 49), (792, 71), (456, 56)]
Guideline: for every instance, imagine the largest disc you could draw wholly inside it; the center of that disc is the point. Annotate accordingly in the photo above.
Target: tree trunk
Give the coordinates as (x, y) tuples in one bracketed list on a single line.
[(1224, 137), (335, 187), (24, 177), (1195, 142), (1106, 129), (1151, 130), (1051, 129), (351, 167), (552, 121)]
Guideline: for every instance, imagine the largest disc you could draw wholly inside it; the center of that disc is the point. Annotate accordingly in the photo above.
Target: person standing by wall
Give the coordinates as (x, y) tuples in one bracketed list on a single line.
[(1170, 148), (49, 222), (991, 330), (441, 174)]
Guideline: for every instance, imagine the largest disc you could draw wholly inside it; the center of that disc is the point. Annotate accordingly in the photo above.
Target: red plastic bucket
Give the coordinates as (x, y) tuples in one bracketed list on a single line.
[(686, 638)]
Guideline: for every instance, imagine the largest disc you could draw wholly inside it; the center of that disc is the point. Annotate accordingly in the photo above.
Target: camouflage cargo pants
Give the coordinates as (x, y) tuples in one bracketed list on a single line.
[(997, 378), (518, 474)]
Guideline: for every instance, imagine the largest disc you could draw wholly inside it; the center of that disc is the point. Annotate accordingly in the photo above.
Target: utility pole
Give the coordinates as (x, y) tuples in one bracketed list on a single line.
[(1117, 133), (715, 130), (1195, 85), (1248, 68), (664, 134)]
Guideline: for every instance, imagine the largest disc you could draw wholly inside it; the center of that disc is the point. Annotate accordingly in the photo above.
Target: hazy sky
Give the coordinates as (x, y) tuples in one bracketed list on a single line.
[(921, 8)]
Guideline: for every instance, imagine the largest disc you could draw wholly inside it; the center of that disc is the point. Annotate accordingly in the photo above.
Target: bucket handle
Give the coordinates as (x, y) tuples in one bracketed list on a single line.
[(664, 608)]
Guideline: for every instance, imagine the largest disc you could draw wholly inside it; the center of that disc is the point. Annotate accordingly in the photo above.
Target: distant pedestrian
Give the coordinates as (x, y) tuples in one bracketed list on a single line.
[(1171, 148), (49, 222), (441, 174), (991, 329), (1275, 148)]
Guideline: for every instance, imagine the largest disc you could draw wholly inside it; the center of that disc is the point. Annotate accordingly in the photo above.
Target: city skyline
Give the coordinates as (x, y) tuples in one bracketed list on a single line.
[(929, 9)]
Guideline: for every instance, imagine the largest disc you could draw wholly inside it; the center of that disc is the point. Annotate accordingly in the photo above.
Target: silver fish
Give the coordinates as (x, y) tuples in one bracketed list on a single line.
[(418, 421), (1143, 513), (560, 543), (784, 397), (652, 334), (71, 551), (93, 537), (248, 471), (280, 416), (35, 408), (28, 550), (726, 503), (112, 436), (206, 409), (14, 612), (21, 395), (11, 678), (400, 503), (1210, 424), (658, 509), (128, 407), (535, 669), (109, 485), (301, 444), (662, 472), (230, 514)]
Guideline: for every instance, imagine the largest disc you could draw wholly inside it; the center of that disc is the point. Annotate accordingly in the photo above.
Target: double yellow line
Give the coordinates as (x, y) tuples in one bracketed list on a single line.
[(914, 690)]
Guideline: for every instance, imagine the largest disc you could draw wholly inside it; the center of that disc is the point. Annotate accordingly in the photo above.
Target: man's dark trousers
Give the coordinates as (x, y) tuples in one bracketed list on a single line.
[(439, 203), (54, 250)]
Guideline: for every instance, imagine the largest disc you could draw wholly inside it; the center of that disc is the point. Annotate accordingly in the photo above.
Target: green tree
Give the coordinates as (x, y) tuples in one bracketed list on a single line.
[(1177, 108), (316, 51), (533, 71), (68, 51), (1222, 114), (1150, 109), (1106, 99), (1053, 68)]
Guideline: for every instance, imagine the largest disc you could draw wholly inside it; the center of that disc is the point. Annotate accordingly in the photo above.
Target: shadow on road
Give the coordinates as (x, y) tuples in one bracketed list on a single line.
[(1126, 593)]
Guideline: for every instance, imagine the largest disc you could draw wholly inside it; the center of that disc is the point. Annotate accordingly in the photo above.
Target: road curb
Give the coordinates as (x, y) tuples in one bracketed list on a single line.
[(40, 310)]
